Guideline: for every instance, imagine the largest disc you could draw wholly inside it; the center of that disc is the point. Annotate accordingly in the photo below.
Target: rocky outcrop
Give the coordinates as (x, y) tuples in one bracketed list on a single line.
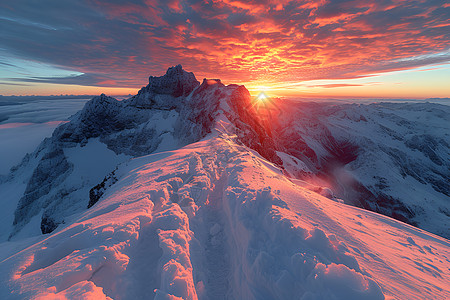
[(164, 92), (51, 171), (97, 191)]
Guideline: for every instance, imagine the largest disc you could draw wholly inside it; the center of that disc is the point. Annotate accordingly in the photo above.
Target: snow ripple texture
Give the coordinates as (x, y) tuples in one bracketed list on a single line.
[(215, 220)]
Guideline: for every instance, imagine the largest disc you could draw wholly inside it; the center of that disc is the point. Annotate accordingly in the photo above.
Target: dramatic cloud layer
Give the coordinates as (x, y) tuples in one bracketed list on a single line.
[(114, 43)]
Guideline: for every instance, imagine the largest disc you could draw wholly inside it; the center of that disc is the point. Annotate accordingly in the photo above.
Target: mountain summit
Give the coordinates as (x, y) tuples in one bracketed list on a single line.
[(177, 82), (174, 84)]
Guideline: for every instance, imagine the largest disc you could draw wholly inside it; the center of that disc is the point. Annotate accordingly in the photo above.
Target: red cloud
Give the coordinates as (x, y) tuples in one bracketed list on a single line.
[(241, 41)]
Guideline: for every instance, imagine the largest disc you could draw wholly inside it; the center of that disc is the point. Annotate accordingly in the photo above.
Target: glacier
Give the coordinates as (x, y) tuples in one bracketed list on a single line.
[(184, 192)]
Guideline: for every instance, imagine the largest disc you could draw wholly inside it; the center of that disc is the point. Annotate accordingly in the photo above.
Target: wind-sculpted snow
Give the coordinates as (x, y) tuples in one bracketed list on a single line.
[(392, 158), (214, 220)]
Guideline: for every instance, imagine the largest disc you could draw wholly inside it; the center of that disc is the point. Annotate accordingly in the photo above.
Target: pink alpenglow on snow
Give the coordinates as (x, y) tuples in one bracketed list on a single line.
[(184, 192)]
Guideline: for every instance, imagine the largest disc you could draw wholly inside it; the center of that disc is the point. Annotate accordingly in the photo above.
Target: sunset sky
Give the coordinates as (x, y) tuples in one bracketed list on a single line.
[(362, 48)]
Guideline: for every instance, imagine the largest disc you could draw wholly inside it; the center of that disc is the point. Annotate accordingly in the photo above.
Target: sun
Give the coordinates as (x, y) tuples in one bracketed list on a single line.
[(265, 106), (262, 103), (262, 97)]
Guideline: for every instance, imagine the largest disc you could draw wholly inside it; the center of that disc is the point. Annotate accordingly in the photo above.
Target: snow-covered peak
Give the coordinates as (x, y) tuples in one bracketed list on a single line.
[(167, 91), (176, 82)]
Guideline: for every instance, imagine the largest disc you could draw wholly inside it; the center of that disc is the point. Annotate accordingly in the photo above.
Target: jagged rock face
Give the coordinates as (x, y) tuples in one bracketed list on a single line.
[(212, 98), (50, 173), (101, 116), (199, 112), (250, 129), (121, 126), (163, 92), (177, 82), (97, 191)]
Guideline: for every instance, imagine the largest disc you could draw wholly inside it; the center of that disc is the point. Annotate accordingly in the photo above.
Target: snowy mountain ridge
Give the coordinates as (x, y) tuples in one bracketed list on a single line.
[(392, 158), (171, 111), (230, 205)]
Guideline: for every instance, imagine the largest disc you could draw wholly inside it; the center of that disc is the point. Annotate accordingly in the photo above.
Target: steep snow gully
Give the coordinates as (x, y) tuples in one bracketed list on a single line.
[(192, 196)]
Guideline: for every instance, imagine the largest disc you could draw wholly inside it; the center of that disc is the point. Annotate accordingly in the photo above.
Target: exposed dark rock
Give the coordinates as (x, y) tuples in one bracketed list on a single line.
[(52, 169), (97, 191), (165, 92), (48, 225), (426, 144), (176, 82)]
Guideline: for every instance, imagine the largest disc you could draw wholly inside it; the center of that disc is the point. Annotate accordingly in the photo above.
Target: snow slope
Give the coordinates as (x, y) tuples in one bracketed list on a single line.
[(214, 220), (392, 158)]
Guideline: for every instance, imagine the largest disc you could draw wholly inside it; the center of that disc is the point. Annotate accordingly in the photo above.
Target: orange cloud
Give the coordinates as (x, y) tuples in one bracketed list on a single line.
[(239, 41)]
